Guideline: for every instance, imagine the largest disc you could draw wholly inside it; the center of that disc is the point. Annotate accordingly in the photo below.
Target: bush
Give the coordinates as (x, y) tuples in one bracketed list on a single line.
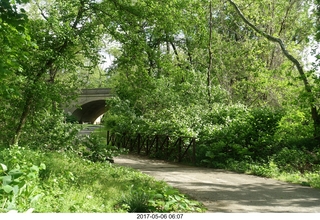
[(295, 124), (302, 160), (260, 137), (94, 148), (71, 119), (19, 179), (162, 198), (236, 132), (135, 202), (295, 131), (224, 132), (49, 131)]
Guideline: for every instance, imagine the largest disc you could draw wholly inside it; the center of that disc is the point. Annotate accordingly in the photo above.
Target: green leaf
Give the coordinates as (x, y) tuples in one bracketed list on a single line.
[(158, 196), (32, 175), (7, 188), (15, 173), (4, 167), (34, 168), (6, 180), (176, 197), (35, 199), (42, 166), (16, 190), (171, 192)]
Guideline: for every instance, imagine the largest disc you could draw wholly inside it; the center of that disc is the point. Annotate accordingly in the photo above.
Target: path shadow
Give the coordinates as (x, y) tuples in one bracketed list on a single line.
[(225, 191)]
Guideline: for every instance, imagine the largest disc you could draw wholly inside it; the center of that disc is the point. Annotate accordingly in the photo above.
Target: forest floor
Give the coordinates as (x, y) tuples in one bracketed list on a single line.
[(225, 192)]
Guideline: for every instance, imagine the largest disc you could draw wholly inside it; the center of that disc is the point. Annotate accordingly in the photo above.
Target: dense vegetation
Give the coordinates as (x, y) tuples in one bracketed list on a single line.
[(57, 182), (231, 75), (240, 76)]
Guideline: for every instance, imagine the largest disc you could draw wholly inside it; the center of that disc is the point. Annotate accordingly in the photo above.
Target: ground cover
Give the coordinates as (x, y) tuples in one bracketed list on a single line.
[(62, 182)]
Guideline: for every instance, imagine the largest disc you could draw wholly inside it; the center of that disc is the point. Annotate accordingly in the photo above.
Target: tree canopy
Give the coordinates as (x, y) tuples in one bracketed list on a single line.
[(182, 67)]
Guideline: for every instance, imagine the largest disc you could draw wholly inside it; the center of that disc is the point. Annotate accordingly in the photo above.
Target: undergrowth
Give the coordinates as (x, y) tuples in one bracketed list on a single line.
[(271, 170), (62, 182)]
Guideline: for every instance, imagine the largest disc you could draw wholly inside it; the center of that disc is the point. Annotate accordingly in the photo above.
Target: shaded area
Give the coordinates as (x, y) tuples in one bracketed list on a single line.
[(90, 111), (224, 191), (88, 130), (255, 197)]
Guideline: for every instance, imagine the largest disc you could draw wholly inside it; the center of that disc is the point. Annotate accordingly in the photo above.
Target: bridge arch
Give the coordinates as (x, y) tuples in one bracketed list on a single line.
[(90, 111), (90, 104)]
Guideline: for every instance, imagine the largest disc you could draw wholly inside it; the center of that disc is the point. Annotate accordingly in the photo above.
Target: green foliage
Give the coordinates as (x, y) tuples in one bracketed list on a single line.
[(68, 183), (135, 202), (120, 116), (48, 130), (271, 169), (164, 92), (162, 112), (19, 179), (295, 130), (93, 147), (269, 139), (168, 199), (237, 132), (297, 159), (159, 76), (71, 119), (13, 36), (161, 199), (42, 59)]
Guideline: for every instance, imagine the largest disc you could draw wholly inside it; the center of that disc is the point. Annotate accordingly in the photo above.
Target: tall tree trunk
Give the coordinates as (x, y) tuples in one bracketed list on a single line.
[(53, 72), (23, 119), (210, 54), (314, 111)]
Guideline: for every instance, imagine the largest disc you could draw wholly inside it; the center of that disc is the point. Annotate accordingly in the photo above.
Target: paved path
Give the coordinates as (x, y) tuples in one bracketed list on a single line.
[(89, 129), (223, 191)]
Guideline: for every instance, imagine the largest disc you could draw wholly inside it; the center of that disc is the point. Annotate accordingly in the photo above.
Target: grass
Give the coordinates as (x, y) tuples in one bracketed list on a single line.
[(71, 184), (271, 170)]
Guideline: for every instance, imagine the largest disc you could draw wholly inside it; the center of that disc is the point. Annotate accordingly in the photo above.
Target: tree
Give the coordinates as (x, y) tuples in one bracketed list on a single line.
[(12, 35), (65, 35), (303, 76)]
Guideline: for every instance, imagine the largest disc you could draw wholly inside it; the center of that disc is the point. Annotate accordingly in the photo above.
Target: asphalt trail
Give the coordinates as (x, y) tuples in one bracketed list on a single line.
[(226, 192)]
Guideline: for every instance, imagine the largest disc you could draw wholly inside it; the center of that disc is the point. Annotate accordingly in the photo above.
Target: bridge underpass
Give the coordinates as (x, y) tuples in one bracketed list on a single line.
[(89, 105), (90, 111)]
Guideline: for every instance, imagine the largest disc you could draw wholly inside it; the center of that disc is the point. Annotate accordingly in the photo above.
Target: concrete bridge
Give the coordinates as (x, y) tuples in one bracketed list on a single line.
[(89, 105)]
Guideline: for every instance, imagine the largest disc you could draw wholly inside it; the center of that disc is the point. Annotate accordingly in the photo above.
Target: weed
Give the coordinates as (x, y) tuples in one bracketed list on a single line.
[(135, 202), (68, 183)]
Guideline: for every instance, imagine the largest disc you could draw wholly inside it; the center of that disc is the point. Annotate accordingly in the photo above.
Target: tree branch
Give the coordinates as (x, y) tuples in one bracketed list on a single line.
[(314, 109), (282, 26), (279, 41), (41, 11), (79, 15), (175, 51)]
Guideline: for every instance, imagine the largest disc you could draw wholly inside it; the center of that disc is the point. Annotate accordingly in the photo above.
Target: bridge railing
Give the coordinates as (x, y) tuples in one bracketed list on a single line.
[(166, 147)]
